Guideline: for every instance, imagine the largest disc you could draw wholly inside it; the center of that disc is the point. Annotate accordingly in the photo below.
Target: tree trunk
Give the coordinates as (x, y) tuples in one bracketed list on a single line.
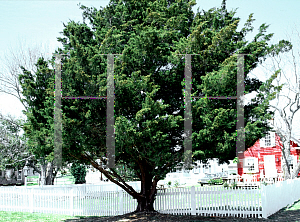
[(47, 174), (148, 192), (296, 170), (286, 154)]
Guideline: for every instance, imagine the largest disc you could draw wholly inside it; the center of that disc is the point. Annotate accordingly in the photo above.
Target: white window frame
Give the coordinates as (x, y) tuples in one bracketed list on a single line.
[(251, 161), (268, 140), (19, 178), (196, 169)]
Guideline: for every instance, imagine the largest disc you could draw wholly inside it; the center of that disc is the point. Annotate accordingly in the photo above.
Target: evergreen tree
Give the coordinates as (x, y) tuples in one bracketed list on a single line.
[(78, 171), (38, 92), (149, 87)]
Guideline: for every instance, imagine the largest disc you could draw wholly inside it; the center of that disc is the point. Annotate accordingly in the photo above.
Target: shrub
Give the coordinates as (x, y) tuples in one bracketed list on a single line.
[(234, 185), (219, 181), (169, 183), (79, 172), (226, 185), (176, 183)]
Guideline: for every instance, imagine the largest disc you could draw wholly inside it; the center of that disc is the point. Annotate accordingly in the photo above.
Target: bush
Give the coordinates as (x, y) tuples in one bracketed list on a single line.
[(79, 172), (219, 181), (211, 182), (215, 181), (226, 185), (234, 185), (169, 183), (176, 183)]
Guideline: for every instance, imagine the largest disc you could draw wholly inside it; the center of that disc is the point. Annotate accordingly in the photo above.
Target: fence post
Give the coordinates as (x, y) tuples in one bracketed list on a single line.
[(31, 199), (72, 201), (193, 201), (120, 202), (264, 203)]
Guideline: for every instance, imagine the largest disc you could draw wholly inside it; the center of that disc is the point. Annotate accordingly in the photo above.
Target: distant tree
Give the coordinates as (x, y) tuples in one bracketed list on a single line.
[(286, 103), (13, 149), (78, 171), (37, 89), (14, 62)]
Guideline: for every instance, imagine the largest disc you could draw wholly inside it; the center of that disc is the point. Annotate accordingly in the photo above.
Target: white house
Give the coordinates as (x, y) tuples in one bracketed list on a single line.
[(199, 170)]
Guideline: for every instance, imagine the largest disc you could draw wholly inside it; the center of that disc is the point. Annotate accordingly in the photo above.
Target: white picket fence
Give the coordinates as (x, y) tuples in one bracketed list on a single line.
[(279, 195), (210, 201), (95, 200), (81, 200)]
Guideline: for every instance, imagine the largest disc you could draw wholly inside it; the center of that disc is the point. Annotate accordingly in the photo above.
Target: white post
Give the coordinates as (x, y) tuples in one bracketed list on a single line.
[(31, 200), (120, 202), (26, 181), (72, 202), (193, 201), (264, 203)]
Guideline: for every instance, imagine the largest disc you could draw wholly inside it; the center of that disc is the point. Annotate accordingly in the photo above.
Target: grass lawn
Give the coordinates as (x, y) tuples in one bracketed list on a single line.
[(68, 179), (26, 217), (295, 206)]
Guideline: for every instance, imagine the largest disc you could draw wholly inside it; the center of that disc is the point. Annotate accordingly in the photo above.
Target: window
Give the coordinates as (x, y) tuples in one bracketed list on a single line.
[(197, 169), (20, 175), (268, 140), (251, 165)]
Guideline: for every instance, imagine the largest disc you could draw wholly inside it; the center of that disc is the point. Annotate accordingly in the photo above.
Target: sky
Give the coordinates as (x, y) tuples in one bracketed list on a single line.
[(31, 23)]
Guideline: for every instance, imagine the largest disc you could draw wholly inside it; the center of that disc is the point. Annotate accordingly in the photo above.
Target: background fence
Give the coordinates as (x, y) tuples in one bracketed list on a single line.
[(106, 200)]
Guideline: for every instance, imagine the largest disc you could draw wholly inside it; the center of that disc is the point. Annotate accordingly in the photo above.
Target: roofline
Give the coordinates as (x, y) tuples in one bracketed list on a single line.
[(292, 138)]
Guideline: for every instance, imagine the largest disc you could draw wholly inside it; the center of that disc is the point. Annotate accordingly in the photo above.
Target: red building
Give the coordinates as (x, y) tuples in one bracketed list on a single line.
[(265, 157)]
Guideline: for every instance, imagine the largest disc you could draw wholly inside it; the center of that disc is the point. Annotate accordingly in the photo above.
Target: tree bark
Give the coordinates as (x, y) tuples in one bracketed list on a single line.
[(148, 190), (47, 174), (146, 202), (286, 154)]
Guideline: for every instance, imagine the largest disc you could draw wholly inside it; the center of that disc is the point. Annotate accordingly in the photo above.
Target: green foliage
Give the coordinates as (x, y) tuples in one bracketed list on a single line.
[(219, 181), (126, 173), (78, 171), (37, 88), (147, 129), (176, 184), (211, 182), (226, 185), (169, 183), (149, 85), (215, 181), (12, 143), (234, 185), (236, 160)]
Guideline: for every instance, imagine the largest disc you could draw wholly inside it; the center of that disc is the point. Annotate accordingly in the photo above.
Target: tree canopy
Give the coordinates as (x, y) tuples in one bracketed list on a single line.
[(149, 86), (13, 149)]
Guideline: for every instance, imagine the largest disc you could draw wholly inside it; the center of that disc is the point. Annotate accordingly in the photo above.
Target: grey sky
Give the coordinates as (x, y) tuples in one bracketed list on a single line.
[(39, 22)]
